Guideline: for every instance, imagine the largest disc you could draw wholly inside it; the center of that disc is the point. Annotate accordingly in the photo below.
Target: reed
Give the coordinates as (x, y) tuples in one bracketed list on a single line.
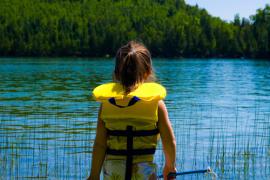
[(59, 146)]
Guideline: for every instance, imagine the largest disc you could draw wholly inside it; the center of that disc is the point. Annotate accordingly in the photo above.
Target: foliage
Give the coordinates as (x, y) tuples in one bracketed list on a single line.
[(94, 28)]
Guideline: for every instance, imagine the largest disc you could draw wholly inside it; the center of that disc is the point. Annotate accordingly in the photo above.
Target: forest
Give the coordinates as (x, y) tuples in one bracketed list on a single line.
[(97, 28)]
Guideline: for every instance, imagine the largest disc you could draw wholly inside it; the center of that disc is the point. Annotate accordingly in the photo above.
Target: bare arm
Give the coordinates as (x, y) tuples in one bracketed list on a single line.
[(99, 149), (168, 139)]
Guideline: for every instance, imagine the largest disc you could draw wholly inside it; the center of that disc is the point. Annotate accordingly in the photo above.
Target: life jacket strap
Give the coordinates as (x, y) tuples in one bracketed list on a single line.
[(130, 152), (132, 101), (137, 152), (134, 133), (129, 155)]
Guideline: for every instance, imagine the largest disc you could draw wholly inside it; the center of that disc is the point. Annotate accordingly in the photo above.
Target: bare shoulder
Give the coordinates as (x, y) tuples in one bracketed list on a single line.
[(164, 124), (162, 107), (162, 113)]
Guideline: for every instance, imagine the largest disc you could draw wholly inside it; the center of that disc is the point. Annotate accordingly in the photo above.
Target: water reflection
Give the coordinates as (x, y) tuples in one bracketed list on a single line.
[(220, 110)]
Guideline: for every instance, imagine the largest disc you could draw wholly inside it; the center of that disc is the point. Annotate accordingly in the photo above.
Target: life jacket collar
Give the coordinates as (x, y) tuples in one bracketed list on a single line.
[(146, 92)]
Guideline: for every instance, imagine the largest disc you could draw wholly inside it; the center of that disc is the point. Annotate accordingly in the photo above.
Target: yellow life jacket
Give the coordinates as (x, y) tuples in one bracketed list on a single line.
[(148, 93), (131, 120)]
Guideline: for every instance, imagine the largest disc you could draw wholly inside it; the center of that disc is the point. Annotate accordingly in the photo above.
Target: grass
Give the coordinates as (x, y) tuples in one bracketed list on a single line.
[(59, 147)]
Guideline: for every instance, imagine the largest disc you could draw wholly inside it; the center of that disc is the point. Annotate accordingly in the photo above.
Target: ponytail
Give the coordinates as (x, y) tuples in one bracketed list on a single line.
[(133, 65)]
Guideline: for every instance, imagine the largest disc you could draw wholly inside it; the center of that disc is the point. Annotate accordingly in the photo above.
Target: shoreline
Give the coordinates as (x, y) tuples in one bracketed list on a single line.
[(153, 57)]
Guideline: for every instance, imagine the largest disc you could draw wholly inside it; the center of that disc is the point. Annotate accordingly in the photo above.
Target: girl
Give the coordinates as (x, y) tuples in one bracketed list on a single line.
[(132, 117)]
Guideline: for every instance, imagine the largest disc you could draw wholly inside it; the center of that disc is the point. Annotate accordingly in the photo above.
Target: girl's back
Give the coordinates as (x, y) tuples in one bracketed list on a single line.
[(132, 114)]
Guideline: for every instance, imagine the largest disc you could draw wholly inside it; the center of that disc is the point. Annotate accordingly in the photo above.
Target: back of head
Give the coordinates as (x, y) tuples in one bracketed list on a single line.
[(133, 65)]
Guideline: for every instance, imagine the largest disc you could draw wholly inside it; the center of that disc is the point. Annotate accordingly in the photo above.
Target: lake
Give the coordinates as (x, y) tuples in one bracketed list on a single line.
[(219, 109)]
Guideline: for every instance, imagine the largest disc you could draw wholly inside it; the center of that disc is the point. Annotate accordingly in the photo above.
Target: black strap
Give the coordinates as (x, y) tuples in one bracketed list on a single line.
[(136, 152), (130, 103), (129, 159), (129, 152), (134, 133)]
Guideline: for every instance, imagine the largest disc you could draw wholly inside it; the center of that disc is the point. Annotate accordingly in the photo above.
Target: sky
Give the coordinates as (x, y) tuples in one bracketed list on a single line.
[(226, 9)]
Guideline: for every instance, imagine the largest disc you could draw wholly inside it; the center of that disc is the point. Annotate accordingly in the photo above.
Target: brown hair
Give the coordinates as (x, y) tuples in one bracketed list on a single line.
[(133, 65)]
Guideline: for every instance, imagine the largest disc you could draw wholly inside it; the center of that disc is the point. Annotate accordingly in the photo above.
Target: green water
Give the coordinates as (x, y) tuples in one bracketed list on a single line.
[(220, 111)]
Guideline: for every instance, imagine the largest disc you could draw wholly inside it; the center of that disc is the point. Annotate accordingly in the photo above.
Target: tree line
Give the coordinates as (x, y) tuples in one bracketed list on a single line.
[(97, 28)]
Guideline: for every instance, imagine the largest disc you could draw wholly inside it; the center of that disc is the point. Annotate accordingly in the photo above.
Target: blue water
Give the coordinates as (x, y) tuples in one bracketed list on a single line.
[(219, 109)]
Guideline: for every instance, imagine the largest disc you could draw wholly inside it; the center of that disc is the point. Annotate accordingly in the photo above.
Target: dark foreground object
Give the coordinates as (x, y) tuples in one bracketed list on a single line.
[(203, 171)]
